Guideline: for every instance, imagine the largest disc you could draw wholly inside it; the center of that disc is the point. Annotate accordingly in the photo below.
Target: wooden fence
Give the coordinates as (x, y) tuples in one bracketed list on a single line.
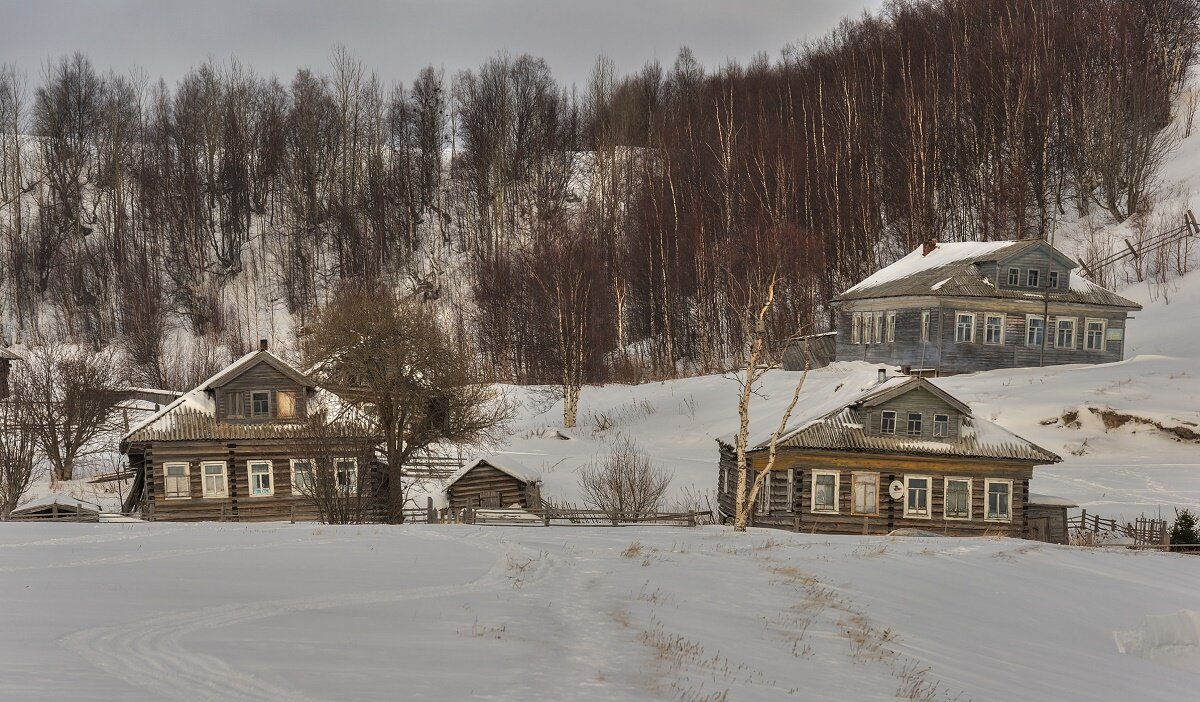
[(546, 515), (1145, 533)]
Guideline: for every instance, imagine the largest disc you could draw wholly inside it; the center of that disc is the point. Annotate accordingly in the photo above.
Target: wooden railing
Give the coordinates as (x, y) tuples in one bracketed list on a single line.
[(1144, 532), (545, 516)]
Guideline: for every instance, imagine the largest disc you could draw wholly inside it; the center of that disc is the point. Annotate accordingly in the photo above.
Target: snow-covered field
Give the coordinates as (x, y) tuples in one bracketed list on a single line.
[(277, 612)]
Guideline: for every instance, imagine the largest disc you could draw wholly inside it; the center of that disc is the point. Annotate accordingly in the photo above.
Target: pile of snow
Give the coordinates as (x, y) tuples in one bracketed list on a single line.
[(1169, 639)]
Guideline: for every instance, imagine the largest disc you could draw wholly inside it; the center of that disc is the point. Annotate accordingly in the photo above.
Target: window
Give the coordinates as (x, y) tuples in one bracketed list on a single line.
[(763, 501), (285, 403), (999, 500), (879, 327), (1014, 276), (958, 498), (855, 327), (941, 425), (866, 493), (175, 481), (914, 423), (791, 490), (260, 404), (1094, 338), (868, 326), (924, 325), (825, 491), (233, 405), (302, 477), (346, 472), (1065, 338), (993, 329), (891, 327), (916, 496), (964, 327), (887, 423), (260, 478), (1035, 330), (1053, 280), (215, 484), (1032, 278)]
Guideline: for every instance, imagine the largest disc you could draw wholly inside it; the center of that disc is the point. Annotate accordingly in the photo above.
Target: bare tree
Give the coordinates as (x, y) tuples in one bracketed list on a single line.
[(625, 483), (18, 466), (337, 471)]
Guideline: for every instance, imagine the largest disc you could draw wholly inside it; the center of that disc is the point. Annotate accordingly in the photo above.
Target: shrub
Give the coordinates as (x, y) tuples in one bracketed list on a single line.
[(625, 484)]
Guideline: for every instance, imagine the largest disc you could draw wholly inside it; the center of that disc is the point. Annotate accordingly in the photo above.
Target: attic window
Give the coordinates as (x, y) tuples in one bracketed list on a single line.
[(285, 402), (941, 425), (1033, 277), (260, 404), (1053, 279), (887, 424), (914, 423), (233, 405), (1014, 276)]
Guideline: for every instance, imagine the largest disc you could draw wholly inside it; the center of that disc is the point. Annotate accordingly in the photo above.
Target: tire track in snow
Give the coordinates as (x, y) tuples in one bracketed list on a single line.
[(150, 653)]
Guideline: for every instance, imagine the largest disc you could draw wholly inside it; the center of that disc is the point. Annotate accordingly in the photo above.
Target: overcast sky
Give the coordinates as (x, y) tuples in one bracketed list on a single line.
[(395, 39)]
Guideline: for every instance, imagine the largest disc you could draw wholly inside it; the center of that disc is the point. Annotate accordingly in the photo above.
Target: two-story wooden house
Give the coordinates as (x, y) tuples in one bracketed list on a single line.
[(902, 453), (964, 307), (245, 445)]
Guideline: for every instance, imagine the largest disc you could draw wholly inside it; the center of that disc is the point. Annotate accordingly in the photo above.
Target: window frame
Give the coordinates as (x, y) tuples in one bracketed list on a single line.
[(987, 499), (911, 514), (1014, 277), (856, 328), (762, 502), (908, 424), (989, 316), (837, 485), (250, 478), (224, 478), (187, 480), (926, 318), (944, 422), (854, 483), (1087, 322), (1058, 322), (791, 490), (958, 325), (1029, 328), (1033, 278), (312, 474), (883, 416), (254, 413), (1052, 279), (352, 487), (945, 493), (868, 327), (890, 328), (295, 400), (235, 409)]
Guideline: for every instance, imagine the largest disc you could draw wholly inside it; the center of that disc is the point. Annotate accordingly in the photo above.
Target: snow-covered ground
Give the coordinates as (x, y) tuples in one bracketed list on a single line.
[(276, 612)]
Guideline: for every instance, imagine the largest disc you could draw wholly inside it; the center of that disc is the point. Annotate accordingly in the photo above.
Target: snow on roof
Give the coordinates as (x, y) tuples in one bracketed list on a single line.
[(942, 255), (1050, 500), (503, 463), (57, 499)]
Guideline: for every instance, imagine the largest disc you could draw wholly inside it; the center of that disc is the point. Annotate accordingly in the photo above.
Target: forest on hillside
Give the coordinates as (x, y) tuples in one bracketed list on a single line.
[(620, 230)]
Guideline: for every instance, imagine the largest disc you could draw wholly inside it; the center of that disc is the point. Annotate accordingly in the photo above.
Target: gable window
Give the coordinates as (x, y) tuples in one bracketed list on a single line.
[(958, 498), (233, 405), (993, 329), (1094, 338), (1052, 280), (964, 327), (285, 404), (891, 327), (260, 404), (1014, 276), (1035, 330), (260, 478), (1065, 338), (914, 423), (887, 422), (825, 491), (175, 481), (1033, 277), (302, 477), (941, 425), (763, 502), (855, 327), (868, 326), (916, 496), (866, 494), (999, 500), (215, 484), (925, 325), (346, 472)]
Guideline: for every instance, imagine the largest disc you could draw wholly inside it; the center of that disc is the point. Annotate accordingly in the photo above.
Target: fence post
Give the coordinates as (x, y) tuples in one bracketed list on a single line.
[(691, 519), (1166, 536), (293, 516), (430, 514)]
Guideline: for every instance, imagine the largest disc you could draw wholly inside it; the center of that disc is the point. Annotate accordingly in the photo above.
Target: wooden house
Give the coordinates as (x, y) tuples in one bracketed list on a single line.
[(494, 483), (902, 453), (964, 307), (6, 359), (243, 446)]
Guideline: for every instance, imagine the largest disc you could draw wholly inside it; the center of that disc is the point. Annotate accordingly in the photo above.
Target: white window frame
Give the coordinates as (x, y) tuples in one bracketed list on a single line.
[(989, 316), (224, 478), (879, 327), (1103, 334), (762, 503), (946, 491), (1033, 278), (908, 422), (891, 327), (925, 319), (971, 335), (837, 486), (854, 483), (1052, 279), (187, 480), (987, 500), (883, 415), (868, 326), (1058, 322), (352, 488), (1029, 328), (1011, 281), (913, 514), (250, 478), (945, 431), (855, 327), (312, 472)]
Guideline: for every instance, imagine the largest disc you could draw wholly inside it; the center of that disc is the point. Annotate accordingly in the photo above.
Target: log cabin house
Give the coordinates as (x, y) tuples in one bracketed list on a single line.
[(493, 483), (902, 453), (242, 446), (972, 306)]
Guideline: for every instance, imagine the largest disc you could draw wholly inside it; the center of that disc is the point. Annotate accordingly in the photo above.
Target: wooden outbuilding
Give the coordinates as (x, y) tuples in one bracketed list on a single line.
[(1046, 518), (495, 482), (900, 453), (57, 508)]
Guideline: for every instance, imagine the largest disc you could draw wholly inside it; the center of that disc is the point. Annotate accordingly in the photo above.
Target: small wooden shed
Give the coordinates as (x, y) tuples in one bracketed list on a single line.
[(494, 483), (58, 507), (1046, 518)]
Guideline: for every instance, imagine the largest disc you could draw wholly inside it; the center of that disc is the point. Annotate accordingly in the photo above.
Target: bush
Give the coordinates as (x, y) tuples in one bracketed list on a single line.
[(1184, 530), (626, 484)]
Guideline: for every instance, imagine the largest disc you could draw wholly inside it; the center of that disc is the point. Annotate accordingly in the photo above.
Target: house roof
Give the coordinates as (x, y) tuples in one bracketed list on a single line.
[(6, 355), (953, 270), (832, 424), (504, 464)]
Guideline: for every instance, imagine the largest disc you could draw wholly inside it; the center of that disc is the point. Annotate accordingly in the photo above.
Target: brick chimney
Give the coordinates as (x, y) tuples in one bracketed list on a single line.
[(928, 247), (262, 344)]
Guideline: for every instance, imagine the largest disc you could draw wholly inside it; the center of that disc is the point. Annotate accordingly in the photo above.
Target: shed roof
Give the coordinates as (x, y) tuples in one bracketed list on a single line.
[(505, 464)]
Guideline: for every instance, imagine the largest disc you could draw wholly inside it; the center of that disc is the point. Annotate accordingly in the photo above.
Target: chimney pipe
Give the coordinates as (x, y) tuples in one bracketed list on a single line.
[(882, 374), (262, 344), (928, 247)]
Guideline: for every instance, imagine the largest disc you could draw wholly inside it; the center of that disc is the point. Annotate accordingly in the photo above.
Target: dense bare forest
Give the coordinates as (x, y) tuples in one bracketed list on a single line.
[(617, 230)]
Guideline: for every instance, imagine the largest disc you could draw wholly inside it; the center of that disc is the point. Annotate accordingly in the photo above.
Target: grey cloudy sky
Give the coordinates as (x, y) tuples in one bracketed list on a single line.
[(395, 39)]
